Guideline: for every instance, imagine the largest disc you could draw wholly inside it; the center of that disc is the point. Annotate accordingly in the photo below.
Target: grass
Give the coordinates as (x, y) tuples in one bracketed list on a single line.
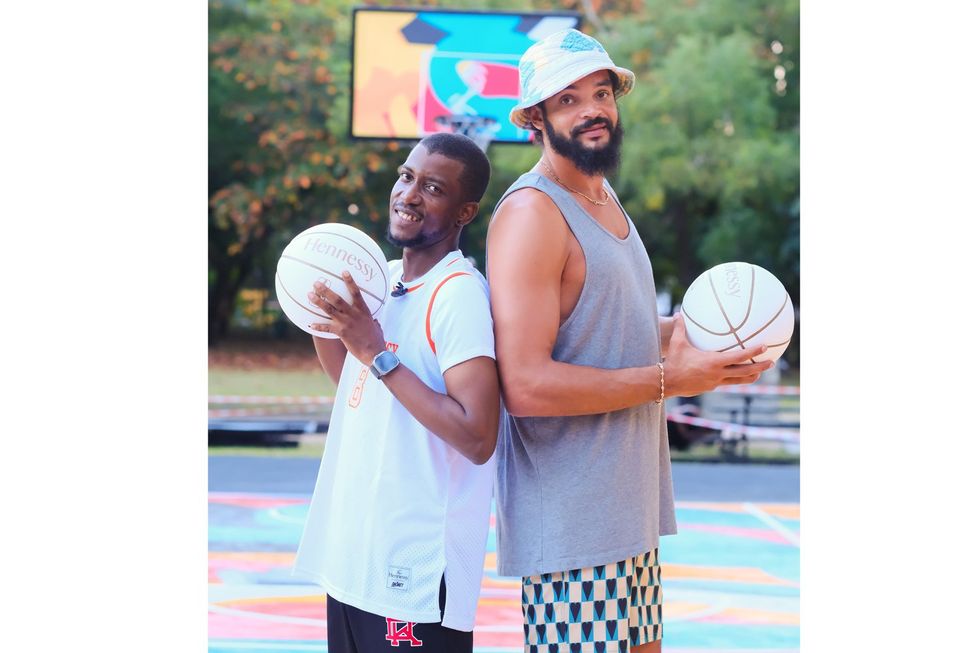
[(305, 449), (290, 369), (266, 367), (269, 383)]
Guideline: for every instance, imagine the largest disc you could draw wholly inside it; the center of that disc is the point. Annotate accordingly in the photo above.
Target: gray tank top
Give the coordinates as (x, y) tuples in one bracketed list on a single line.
[(583, 491)]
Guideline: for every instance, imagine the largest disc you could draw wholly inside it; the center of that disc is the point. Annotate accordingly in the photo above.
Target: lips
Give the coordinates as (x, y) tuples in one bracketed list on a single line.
[(594, 129)]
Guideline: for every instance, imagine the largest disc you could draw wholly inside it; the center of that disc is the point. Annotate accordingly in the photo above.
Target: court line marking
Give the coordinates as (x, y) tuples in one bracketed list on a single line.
[(283, 619), (772, 523), (216, 494), (676, 649), (722, 603), (264, 646), (517, 627), (301, 646), (275, 514)]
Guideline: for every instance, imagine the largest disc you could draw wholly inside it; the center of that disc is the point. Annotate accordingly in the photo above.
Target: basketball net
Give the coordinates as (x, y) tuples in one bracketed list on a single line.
[(479, 129)]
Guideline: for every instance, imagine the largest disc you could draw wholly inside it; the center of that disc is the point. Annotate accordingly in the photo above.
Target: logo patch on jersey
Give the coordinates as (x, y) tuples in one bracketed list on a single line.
[(399, 578), (401, 631)]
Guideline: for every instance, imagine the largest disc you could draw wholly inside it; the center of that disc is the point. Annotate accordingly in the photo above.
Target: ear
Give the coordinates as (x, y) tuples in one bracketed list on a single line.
[(536, 117), (466, 213)]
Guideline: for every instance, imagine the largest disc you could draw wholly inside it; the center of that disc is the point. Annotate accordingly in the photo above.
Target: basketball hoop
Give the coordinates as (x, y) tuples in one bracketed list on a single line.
[(479, 129)]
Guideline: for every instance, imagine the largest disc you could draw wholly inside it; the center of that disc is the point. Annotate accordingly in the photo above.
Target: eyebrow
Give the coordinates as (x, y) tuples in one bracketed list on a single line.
[(429, 177), (437, 179)]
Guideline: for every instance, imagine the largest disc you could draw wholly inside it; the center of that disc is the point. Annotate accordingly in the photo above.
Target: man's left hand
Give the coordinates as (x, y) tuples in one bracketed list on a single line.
[(352, 322)]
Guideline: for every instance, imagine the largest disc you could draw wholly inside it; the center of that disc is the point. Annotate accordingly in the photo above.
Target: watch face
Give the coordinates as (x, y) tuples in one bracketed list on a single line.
[(385, 362)]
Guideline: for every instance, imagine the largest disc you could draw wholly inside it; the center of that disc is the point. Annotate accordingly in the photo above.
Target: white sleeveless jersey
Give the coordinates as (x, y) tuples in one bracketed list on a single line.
[(395, 507)]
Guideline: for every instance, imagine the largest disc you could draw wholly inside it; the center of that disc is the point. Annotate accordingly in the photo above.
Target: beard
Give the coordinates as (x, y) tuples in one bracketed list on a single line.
[(407, 243), (591, 161)]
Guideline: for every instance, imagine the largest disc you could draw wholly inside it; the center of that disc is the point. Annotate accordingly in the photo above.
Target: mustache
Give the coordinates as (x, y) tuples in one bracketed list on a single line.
[(592, 123)]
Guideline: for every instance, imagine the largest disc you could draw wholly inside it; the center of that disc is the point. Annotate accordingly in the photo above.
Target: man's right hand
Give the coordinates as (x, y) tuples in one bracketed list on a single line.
[(688, 371)]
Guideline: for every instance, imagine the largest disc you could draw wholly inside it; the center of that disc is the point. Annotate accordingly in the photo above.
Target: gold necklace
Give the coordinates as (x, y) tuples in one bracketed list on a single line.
[(553, 174)]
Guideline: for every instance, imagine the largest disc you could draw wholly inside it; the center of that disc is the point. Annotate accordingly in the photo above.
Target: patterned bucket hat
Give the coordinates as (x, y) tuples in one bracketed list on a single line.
[(558, 60)]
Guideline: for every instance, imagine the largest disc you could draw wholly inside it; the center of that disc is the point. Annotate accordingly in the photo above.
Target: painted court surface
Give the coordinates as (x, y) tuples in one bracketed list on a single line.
[(731, 580)]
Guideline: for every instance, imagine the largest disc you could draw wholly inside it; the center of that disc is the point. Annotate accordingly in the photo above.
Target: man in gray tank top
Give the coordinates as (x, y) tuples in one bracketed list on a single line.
[(583, 468)]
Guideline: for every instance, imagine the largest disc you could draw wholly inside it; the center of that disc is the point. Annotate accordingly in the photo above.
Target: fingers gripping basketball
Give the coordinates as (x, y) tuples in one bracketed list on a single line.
[(322, 254), (737, 306)]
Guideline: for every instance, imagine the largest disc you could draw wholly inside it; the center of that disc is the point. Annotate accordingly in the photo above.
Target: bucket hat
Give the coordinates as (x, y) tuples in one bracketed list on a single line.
[(558, 60)]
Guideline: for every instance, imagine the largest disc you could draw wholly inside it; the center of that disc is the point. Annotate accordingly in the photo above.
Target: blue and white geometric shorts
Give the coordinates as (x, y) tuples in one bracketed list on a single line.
[(605, 609)]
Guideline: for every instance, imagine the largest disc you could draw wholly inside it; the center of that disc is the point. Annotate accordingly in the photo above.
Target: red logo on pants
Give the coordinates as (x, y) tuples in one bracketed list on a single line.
[(401, 633)]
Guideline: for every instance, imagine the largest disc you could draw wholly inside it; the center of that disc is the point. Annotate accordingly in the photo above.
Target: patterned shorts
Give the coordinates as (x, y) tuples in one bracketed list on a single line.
[(605, 609)]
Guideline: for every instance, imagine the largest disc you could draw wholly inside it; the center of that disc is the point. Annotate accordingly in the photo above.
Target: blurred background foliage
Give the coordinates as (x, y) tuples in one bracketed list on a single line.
[(710, 169)]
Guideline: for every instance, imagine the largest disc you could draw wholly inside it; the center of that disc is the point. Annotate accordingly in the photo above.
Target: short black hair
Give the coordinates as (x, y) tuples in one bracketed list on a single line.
[(538, 138), (476, 165)]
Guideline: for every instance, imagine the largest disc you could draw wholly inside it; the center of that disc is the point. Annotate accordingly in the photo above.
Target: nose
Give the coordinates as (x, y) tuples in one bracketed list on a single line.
[(591, 109), (410, 193)]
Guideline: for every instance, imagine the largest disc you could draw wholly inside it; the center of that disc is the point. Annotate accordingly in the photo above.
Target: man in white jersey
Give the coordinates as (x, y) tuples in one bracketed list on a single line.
[(583, 468), (397, 528)]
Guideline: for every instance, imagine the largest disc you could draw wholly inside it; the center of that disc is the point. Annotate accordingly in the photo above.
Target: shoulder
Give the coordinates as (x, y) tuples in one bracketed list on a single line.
[(460, 288), (528, 214), (527, 234), (458, 312), (525, 199)]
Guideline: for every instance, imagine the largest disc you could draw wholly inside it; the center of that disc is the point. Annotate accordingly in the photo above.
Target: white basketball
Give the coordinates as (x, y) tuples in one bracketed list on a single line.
[(322, 253), (737, 306)]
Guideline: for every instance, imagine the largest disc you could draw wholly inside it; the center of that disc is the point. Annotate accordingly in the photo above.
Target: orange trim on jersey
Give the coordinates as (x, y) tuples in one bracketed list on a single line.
[(432, 300), (458, 258)]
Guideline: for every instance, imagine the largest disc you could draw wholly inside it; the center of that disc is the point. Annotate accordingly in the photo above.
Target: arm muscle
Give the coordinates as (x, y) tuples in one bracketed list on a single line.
[(527, 249)]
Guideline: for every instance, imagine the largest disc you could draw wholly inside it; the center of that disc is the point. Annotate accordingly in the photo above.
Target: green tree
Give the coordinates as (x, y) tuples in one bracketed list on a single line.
[(279, 158), (710, 170)]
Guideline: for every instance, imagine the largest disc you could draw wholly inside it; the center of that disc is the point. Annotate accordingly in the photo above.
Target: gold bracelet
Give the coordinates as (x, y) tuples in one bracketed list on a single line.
[(658, 401)]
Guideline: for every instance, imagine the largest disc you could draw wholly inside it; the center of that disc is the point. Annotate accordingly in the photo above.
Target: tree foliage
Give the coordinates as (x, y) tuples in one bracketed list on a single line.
[(710, 167), (280, 160), (711, 172)]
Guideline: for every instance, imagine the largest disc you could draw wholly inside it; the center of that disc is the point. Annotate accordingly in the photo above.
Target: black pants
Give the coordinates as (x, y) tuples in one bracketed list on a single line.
[(350, 630)]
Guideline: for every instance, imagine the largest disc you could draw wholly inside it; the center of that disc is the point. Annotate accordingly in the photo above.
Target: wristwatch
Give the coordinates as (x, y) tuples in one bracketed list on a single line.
[(384, 363)]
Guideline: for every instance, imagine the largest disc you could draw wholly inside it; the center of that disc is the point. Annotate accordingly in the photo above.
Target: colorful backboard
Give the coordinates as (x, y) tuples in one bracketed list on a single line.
[(416, 71)]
